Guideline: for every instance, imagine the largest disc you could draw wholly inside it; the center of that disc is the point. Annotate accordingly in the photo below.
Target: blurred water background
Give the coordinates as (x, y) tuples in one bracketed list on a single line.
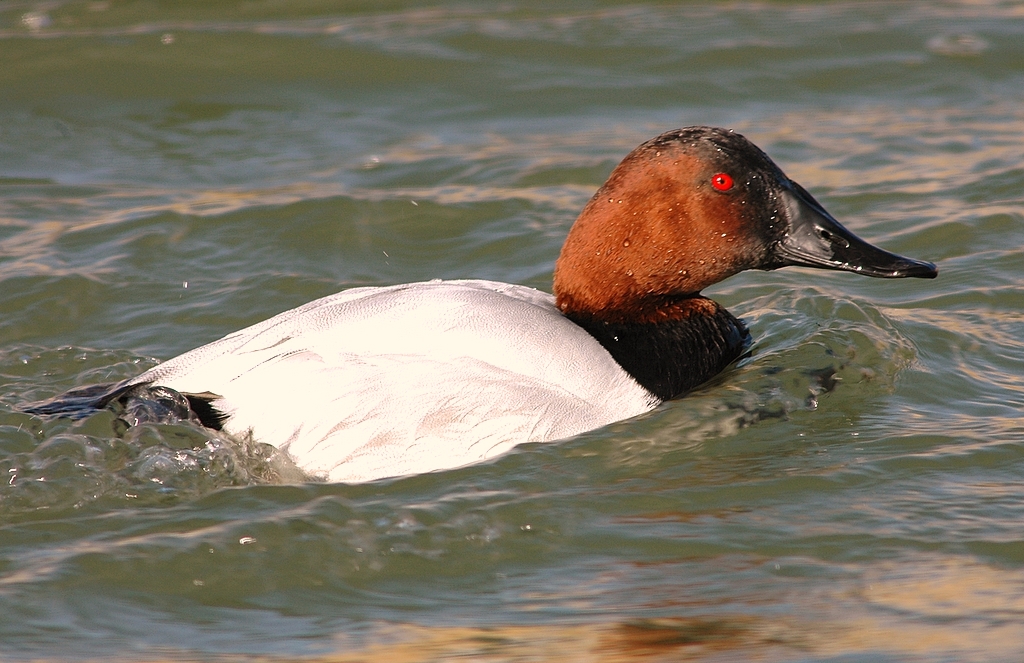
[(173, 171)]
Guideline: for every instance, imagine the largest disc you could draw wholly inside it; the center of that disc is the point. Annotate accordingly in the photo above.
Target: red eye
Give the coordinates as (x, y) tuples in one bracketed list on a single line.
[(722, 181)]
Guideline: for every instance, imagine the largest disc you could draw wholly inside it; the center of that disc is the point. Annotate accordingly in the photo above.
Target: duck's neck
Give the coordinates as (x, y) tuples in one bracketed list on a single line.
[(689, 342)]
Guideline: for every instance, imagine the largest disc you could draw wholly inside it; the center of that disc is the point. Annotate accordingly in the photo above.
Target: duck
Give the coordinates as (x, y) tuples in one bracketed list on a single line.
[(378, 382)]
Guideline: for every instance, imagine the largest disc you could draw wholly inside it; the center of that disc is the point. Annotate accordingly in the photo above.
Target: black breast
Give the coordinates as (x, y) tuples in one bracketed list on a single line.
[(671, 357)]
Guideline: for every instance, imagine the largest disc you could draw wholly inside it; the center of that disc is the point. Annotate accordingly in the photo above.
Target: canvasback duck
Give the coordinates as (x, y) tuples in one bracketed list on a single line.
[(379, 382)]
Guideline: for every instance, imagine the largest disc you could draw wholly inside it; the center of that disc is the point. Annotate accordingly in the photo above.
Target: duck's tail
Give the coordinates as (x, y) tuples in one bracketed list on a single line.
[(135, 403)]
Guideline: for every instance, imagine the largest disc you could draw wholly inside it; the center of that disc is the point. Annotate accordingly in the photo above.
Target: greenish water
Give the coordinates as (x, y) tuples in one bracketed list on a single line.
[(171, 172)]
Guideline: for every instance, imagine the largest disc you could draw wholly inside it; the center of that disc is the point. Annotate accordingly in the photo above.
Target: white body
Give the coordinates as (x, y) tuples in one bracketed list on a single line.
[(378, 382)]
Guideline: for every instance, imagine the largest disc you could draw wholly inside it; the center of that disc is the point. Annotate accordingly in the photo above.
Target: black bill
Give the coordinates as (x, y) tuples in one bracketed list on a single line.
[(815, 239)]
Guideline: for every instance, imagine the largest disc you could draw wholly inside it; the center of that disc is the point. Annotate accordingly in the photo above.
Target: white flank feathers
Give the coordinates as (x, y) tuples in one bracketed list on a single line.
[(378, 382)]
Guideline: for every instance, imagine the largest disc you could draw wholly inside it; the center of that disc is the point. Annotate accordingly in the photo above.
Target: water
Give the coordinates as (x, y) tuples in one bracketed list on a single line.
[(172, 172)]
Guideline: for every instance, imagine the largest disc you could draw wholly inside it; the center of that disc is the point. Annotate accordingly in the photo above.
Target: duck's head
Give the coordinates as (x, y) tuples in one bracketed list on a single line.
[(691, 208)]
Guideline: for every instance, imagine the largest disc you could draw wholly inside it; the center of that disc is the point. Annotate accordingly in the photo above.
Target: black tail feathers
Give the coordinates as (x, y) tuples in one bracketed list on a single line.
[(135, 404)]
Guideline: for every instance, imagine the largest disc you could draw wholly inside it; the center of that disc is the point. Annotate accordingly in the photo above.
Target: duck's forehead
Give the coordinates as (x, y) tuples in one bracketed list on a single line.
[(714, 147)]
